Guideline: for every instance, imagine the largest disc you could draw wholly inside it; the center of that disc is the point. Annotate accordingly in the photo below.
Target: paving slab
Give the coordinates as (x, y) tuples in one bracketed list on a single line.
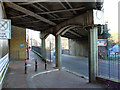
[(16, 77), (62, 79)]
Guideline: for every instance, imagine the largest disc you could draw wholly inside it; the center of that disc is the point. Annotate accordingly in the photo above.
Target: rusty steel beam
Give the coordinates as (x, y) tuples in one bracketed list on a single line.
[(76, 34), (70, 7), (28, 12), (57, 11)]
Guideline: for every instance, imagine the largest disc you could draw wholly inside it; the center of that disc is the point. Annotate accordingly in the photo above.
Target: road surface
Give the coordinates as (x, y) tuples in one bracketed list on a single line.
[(108, 69)]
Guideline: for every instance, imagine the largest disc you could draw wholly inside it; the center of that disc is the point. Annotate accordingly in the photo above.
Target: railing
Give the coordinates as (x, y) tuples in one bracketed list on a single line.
[(37, 49), (3, 67), (66, 51), (49, 54), (109, 66)]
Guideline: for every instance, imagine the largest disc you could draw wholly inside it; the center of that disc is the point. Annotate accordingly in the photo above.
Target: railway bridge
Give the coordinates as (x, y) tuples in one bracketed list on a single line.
[(73, 20)]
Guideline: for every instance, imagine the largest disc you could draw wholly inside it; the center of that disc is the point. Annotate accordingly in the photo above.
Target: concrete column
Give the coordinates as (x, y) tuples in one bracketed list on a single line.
[(58, 51), (43, 48), (93, 54)]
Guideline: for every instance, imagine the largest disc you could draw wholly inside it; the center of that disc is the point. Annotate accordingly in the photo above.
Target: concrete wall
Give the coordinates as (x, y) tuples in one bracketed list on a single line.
[(3, 42), (4, 52), (18, 37), (3, 48), (78, 47)]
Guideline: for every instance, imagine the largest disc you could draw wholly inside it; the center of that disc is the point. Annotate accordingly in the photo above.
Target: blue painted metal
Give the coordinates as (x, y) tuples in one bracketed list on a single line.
[(21, 45)]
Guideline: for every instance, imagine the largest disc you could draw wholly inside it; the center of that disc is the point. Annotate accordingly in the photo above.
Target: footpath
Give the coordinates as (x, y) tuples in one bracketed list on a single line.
[(50, 78)]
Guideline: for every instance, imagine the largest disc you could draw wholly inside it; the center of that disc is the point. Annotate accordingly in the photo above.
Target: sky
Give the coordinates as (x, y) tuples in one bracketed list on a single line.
[(111, 14)]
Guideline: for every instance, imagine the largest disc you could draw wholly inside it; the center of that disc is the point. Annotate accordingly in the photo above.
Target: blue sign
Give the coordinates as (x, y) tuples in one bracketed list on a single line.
[(103, 39), (21, 45)]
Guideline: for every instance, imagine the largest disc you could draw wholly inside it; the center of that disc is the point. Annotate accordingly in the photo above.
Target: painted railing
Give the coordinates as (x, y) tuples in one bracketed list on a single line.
[(4, 63), (109, 66)]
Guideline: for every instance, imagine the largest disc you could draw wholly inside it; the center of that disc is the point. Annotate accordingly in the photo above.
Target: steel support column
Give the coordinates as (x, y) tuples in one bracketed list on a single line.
[(43, 48), (93, 54), (58, 51)]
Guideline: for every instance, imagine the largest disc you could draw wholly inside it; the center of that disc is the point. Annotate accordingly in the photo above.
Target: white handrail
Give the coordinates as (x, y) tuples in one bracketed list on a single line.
[(4, 63)]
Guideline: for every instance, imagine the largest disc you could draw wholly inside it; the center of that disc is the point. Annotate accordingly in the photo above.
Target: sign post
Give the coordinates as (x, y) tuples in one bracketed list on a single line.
[(5, 29)]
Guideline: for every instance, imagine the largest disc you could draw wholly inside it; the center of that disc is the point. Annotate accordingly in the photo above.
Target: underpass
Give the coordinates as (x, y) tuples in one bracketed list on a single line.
[(78, 21)]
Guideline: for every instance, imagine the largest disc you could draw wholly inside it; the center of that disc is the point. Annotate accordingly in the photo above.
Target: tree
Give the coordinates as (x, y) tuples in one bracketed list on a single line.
[(106, 34)]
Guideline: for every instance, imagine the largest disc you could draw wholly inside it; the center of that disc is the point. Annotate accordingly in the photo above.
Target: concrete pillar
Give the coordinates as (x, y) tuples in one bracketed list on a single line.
[(93, 54), (43, 48), (58, 51)]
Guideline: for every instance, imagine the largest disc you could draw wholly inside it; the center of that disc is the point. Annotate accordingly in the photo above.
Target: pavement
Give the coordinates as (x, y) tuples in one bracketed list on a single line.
[(50, 78), (108, 69)]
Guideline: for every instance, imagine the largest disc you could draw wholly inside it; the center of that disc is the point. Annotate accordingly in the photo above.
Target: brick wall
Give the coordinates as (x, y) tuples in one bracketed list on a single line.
[(18, 38)]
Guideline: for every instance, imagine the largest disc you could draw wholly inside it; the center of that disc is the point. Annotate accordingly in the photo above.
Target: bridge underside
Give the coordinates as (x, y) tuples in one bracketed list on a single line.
[(73, 20), (50, 17)]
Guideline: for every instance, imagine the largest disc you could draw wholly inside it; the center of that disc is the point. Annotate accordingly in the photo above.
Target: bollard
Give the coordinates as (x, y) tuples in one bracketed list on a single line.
[(45, 65), (25, 67), (35, 65)]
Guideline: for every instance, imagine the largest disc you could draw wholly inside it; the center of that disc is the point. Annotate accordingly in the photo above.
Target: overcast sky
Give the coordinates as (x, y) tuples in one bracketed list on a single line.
[(111, 14)]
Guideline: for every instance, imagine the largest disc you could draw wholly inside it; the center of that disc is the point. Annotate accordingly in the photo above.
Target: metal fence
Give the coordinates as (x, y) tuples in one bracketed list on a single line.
[(48, 52), (3, 67), (37, 49), (66, 51), (109, 65)]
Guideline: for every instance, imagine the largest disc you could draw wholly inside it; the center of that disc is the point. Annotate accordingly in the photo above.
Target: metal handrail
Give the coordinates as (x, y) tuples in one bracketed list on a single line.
[(3, 67)]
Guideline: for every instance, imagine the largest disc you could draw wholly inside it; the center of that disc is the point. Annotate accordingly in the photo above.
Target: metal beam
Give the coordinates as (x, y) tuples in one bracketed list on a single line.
[(63, 10), (35, 26), (74, 33), (46, 9), (36, 7), (84, 20), (60, 18), (20, 16), (68, 28), (40, 21), (63, 5), (32, 3), (70, 6), (28, 12), (42, 10), (26, 3), (57, 11)]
